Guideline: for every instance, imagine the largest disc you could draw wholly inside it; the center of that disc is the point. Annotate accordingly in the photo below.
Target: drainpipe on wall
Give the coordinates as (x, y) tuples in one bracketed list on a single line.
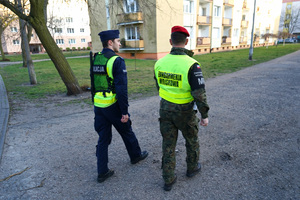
[(107, 14), (211, 29)]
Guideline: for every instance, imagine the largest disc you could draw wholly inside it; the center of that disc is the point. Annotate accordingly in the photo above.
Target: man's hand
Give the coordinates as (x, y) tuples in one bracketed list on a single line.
[(124, 118), (204, 122)]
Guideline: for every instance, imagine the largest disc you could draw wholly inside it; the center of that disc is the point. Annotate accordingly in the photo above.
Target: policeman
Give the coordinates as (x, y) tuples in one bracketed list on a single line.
[(109, 91), (181, 84)]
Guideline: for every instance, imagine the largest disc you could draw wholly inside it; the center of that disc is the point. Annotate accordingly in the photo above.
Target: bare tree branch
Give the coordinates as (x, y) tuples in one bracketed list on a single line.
[(14, 9)]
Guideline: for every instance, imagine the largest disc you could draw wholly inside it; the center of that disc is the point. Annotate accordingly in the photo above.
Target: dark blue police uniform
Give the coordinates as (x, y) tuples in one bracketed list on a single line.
[(110, 116), (106, 117)]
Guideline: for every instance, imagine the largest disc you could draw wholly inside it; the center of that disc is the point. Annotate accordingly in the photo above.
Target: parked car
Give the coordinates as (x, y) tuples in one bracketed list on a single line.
[(290, 40), (280, 40)]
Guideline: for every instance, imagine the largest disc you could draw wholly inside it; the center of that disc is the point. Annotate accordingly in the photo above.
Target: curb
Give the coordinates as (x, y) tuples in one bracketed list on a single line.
[(4, 114)]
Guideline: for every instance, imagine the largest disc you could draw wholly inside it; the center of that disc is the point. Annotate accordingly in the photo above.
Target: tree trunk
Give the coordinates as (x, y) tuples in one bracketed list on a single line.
[(23, 47), (1, 48), (30, 67), (56, 56), (29, 32)]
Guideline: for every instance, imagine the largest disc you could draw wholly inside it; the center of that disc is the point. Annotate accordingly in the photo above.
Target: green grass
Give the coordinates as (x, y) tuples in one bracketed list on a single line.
[(18, 57), (140, 72)]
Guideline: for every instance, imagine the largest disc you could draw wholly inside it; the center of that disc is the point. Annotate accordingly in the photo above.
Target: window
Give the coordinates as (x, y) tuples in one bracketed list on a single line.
[(216, 33), (217, 11), (203, 11), (70, 30), (131, 6), (16, 42), (57, 20), (59, 41), (243, 17), (58, 30), (82, 30), (69, 19), (132, 33), (83, 40), (72, 41), (14, 29), (235, 32), (188, 6)]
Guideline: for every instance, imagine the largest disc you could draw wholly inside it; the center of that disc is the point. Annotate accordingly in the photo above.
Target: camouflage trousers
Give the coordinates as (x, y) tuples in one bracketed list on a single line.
[(188, 123)]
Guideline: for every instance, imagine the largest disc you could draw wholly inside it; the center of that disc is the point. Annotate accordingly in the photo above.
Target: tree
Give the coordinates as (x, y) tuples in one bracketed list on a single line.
[(293, 22), (25, 6), (6, 18), (267, 36), (37, 20), (25, 44), (284, 35), (290, 20)]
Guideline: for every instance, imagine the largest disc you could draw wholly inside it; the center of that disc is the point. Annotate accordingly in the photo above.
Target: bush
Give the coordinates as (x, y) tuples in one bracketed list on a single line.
[(83, 48), (73, 48), (78, 48), (88, 48), (68, 49), (61, 48)]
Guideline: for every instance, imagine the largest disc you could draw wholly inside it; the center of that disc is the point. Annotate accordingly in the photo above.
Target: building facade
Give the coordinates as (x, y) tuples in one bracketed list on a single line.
[(67, 21), (214, 25), (290, 17)]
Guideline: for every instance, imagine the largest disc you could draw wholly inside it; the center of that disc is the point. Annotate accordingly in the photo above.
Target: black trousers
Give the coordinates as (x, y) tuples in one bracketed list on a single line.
[(104, 119)]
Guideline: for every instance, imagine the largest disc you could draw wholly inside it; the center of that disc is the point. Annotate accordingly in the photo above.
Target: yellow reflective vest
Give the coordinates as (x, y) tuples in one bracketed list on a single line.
[(105, 99), (171, 73)]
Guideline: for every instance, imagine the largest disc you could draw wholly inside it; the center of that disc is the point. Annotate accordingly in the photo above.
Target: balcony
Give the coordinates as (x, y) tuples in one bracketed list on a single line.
[(203, 20), (227, 21), (226, 40), (228, 2), (245, 5), (132, 45), (205, 1), (130, 18), (244, 24), (203, 41)]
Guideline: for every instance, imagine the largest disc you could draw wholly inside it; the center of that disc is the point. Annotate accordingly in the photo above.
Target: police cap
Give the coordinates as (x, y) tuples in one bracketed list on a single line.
[(109, 35), (180, 29)]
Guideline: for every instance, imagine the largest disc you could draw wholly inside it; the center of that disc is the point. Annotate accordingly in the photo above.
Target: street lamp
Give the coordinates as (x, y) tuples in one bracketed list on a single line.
[(251, 45)]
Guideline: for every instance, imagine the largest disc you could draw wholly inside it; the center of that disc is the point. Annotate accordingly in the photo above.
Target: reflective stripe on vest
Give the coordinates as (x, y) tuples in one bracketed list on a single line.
[(106, 99), (171, 73)]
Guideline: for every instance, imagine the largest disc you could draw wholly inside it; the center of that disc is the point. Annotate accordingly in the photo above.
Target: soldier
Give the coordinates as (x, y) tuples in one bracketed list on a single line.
[(181, 84), (109, 92)]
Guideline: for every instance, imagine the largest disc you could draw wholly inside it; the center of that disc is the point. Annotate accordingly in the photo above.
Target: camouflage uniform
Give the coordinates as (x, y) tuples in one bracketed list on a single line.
[(174, 117)]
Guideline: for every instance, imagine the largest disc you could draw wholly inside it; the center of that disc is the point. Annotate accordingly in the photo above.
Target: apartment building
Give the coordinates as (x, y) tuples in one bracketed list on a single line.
[(290, 17), (214, 25), (67, 21)]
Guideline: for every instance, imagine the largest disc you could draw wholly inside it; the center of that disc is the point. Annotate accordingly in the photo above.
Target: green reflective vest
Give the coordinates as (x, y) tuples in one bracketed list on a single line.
[(103, 81), (171, 73)]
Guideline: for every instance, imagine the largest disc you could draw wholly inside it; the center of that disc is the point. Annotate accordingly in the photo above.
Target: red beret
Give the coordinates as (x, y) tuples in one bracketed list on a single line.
[(180, 29)]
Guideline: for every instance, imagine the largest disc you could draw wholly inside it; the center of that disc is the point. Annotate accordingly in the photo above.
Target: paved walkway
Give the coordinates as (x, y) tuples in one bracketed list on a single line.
[(250, 150), (4, 114)]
